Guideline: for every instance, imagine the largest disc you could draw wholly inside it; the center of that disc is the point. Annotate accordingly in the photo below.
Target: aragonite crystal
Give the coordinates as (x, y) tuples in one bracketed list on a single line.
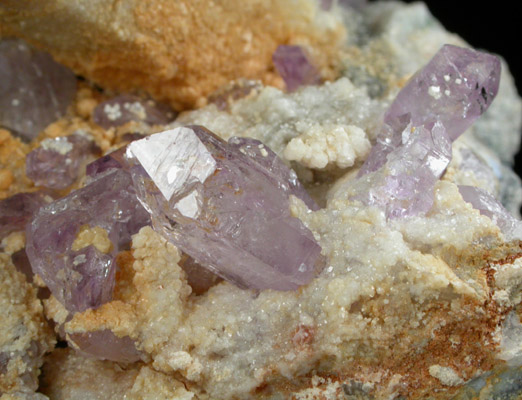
[(126, 108), (434, 108), (34, 89), (56, 163), (295, 67), (81, 276), (226, 206)]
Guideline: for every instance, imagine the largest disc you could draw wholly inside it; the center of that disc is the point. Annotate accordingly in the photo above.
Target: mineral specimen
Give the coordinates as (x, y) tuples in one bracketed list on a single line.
[(34, 90), (56, 163), (295, 67), (72, 242), (436, 106), (226, 206), (104, 345), (16, 211), (126, 108)]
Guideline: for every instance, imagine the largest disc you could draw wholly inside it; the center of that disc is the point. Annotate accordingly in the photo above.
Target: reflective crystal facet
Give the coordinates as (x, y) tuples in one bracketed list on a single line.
[(125, 108), (84, 278), (16, 211), (295, 67), (224, 207), (56, 163), (454, 88), (437, 105), (487, 205), (34, 90)]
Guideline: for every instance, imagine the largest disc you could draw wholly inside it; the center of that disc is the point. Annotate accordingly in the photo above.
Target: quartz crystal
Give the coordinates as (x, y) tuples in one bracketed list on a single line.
[(34, 90), (437, 105), (295, 67), (105, 345), (454, 88), (82, 278), (487, 205), (126, 108), (16, 211), (113, 160), (226, 206), (56, 163)]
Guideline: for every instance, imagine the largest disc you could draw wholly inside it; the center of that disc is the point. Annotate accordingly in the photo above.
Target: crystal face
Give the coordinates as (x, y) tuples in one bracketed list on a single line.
[(16, 211), (125, 108), (56, 163), (105, 345), (454, 88), (436, 106), (34, 89), (224, 207), (82, 278), (295, 67)]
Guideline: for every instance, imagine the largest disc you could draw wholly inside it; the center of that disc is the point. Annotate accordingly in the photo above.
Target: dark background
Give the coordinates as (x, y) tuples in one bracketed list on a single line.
[(495, 27)]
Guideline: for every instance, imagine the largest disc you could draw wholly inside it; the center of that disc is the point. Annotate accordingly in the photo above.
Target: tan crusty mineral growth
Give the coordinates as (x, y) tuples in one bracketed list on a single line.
[(177, 51)]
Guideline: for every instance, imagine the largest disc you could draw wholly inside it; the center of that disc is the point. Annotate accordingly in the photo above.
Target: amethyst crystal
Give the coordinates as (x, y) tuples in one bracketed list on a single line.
[(454, 88), (82, 278), (113, 160), (56, 163), (225, 208), (295, 67), (105, 345), (199, 279), (438, 104), (34, 90), (16, 211), (487, 205), (125, 108)]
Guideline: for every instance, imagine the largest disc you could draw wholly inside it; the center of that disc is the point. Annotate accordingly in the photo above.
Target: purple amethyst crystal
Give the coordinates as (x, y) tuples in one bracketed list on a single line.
[(34, 90), (487, 205), (295, 67), (113, 160), (84, 278), (454, 88), (125, 108), (16, 211), (105, 345), (224, 207), (438, 104), (199, 278), (56, 163)]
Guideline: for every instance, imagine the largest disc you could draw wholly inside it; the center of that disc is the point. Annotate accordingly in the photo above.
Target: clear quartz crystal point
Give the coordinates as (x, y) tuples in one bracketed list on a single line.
[(413, 150), (225, 207)]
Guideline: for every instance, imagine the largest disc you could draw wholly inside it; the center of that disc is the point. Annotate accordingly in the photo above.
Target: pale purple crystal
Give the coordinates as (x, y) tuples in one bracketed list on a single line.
[(199, 278), (225, 208), (34, 89), (16, 211), (489, 206), (454, 88), (105, 345), (295, 67), (57, 163), (84, 278), (113, 160), (125, 108)]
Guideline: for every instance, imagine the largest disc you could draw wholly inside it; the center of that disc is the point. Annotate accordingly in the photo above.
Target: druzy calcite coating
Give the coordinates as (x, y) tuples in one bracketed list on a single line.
[(126, 108), (226, 206), (56, 163), (82, 278), (435, 107), (295, 67), (34, 89)]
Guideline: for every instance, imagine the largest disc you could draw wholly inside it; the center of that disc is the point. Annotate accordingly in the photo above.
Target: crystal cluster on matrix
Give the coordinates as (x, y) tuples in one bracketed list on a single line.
[(435, 107), (295, 67), (34, 89), (226, 205)]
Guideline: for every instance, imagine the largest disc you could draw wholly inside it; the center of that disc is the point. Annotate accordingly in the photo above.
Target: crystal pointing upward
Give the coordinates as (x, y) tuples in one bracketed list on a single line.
[(453, 89), (226, 206)]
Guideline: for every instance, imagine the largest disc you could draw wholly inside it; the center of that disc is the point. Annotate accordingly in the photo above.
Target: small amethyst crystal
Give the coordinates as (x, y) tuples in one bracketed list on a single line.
[(34, 90), (56, 163), (295, 67), (437, 105), (113, 160), (487, 205), (224, 207), (82, 278), (105, 345), (125, 108), (454, 88), (16, 211)]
